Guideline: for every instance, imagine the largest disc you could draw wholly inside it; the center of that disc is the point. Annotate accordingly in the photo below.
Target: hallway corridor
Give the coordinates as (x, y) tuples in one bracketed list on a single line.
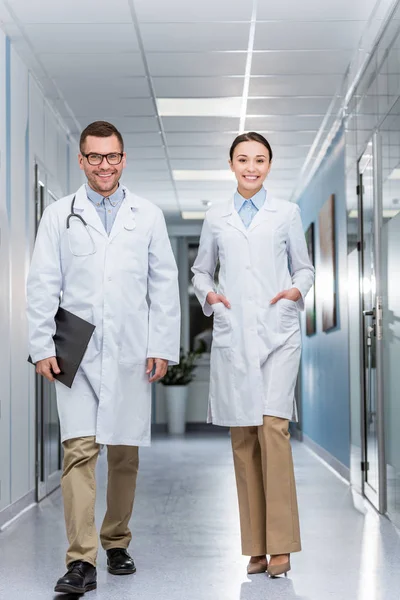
[(186, 536)]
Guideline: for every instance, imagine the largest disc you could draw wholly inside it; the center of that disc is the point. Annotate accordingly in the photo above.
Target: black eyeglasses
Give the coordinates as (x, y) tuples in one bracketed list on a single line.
[(95, 159)]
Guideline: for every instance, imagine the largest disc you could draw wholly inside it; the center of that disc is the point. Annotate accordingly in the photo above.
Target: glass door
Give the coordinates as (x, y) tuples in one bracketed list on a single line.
[(372, 460), (48, 443), (390, 243)]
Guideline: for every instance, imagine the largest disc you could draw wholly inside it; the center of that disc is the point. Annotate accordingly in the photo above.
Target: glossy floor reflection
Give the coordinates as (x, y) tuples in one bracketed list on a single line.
[(186, 536)]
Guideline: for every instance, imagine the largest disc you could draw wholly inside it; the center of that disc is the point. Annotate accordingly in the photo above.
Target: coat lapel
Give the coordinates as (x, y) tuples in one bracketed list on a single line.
[(87, 211), (263, 214), (126, 216), (233, 218)]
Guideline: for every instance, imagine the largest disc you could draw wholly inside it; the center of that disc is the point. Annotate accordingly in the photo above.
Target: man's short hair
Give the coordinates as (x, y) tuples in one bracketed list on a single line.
[(100, 129)]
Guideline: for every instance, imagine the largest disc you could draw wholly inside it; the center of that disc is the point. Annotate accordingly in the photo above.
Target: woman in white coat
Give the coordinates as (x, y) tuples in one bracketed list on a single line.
[(264, 275)]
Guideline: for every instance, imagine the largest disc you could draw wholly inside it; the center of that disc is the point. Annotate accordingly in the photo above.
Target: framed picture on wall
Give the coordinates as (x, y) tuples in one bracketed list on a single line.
[(311, 317), (327, 267)]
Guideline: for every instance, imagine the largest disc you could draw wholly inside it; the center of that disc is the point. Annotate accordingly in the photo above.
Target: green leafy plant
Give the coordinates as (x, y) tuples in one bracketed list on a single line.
[(183, 373)]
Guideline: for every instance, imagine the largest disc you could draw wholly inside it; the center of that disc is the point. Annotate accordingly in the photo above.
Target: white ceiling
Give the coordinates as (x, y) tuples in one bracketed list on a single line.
[(284, 61)]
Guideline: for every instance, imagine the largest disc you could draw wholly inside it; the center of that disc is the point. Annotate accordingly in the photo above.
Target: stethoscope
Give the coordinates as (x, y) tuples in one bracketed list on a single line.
[(74, 214), (84, 251), (130, 226)]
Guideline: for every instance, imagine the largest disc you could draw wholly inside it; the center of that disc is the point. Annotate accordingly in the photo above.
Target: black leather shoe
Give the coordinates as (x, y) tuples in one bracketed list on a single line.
[(80, 578), (119, 562)]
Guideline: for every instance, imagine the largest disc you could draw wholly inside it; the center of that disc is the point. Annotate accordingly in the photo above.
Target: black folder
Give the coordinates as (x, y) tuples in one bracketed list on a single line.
[(71, 340)]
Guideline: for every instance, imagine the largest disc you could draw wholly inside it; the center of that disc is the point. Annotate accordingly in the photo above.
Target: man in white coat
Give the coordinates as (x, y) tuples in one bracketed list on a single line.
[(104, 255)]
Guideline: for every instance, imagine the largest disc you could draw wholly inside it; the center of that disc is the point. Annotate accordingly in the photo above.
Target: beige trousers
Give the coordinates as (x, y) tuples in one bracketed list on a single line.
[(269, 519), (78, 485)]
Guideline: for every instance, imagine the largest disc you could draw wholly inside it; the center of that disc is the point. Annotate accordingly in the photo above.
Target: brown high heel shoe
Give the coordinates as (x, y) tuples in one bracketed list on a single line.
[(253, 568), (282, 569)]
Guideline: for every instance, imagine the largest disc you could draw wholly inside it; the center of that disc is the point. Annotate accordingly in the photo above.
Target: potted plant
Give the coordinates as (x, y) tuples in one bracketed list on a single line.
[(176, 383)]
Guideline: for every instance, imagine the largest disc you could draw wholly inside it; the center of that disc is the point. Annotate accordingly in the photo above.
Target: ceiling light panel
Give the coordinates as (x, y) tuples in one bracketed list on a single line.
[(193, 215), (175, 11), (196, 65), (198, 87), (308, 63), (200, 124), (73, 11), (195, 37), (206, 188), (199, 107), (333, 35), (201, 139), (203, 175)]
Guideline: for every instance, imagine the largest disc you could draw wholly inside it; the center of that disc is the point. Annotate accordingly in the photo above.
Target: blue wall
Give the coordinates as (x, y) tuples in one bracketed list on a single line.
[(325, 363)]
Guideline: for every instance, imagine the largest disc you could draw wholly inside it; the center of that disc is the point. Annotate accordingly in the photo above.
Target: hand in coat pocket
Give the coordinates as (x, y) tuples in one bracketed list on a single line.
[(214, 298), (293, 294)]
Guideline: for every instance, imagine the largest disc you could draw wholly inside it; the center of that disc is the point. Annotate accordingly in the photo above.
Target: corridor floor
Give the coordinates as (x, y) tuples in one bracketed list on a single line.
[(186, 541)]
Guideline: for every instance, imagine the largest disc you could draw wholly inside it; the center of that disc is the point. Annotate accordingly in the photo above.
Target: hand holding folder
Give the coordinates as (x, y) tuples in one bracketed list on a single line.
[(71, 340)]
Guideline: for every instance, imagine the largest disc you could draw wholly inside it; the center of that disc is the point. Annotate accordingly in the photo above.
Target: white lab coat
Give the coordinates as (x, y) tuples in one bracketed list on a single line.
[(256, 346), (126, 285)]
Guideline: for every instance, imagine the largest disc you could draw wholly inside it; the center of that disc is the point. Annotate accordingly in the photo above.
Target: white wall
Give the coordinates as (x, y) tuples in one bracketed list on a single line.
[(35, 134)]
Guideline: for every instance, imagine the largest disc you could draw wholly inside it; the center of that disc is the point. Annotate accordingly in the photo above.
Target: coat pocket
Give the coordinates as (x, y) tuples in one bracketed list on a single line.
[(288, 315), (222, 329)]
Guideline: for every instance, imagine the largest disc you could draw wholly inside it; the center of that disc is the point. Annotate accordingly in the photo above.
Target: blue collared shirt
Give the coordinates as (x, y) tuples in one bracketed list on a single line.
[(247, 209), (106, 208)]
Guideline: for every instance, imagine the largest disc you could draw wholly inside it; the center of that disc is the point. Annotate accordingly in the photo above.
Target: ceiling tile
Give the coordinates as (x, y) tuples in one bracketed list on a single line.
[(295, 85), (61, 65), (151, 187), (145, 153), (200, 139), (67, 65), (198, 152), (198, 87), (195, 188), (84, 106), (196, 65), (287, 106), (73, 11), (283, 123), (175, 11), (193, 164), (134, 87), (291, 10), (86, 38), (150, 177), (144, 165), (136, 124), (200, 124), (136, 140), (295, 63), (288, 151), (291, 137), (295, 35), (195, 37)]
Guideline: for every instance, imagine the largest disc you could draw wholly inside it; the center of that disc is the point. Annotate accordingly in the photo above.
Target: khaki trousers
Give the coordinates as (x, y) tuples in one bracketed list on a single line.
[(269, 519), (78, 485)]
